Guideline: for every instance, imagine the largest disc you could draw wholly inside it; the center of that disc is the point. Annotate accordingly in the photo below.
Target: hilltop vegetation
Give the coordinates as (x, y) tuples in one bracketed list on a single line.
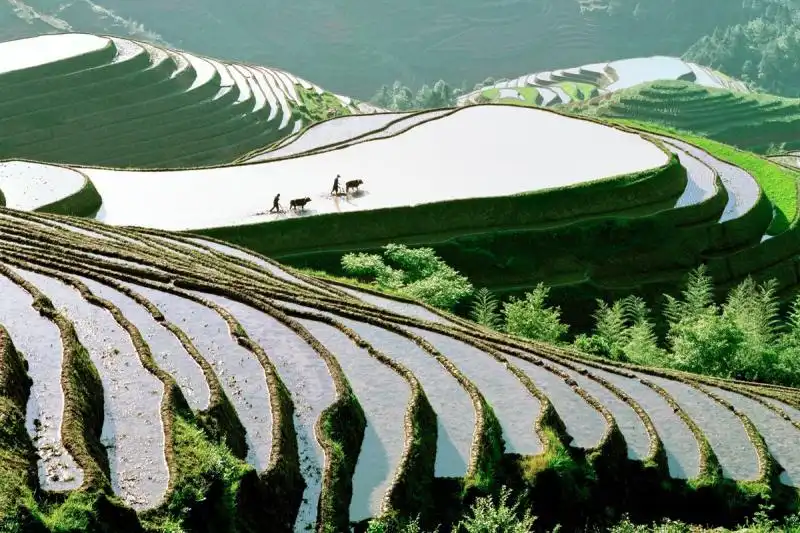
[(761, 50)]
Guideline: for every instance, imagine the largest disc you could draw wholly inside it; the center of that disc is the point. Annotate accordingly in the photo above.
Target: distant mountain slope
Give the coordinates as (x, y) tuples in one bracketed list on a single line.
[(567, 85), (355, 49), (756, 122)]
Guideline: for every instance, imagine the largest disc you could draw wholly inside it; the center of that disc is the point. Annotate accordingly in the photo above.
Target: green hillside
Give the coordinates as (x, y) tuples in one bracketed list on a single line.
[(754, 122)]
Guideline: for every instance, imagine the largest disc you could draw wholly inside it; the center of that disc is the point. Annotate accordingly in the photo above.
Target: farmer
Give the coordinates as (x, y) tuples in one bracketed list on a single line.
[(276, 206), (335, 189)]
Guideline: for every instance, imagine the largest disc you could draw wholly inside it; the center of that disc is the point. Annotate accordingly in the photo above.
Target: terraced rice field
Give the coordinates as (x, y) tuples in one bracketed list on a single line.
[(401, 157), (157, 380), (750, 121), (86, 99), (401, 163), (30, 186), (578, 84), (134, 341)]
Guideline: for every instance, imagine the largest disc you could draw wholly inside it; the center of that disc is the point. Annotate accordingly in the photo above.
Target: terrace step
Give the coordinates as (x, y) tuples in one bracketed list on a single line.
[(781, 436), (39, 340), (512, 376), (330, 133), (723, 429), (309, 381), (168, 353), (133, 430), (515, 406), (273, 269), (238, 371), (29, 186), (104, 107), (384, 395), (680, 444)]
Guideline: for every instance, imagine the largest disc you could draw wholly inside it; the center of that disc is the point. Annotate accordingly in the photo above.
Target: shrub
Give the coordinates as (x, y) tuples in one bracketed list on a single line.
[(701, 338), (624, 331), (488, 517), (417, 273), (532, 318), (788, 363), (395, 525)]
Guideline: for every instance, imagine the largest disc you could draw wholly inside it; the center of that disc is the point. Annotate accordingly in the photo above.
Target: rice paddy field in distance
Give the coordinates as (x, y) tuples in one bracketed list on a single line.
[(177, 357)]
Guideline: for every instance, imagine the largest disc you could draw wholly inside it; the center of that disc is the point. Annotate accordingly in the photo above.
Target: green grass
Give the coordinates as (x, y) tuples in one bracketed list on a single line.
[(530, 95), (315, 106), (778, 183), (577, 90), (207, 472)]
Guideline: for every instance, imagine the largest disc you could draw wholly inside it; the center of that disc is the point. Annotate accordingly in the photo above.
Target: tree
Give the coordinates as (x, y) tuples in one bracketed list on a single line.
[(399, 97), (624, 331), (707, 344), (485, 309), (532, 318), (788, 363)]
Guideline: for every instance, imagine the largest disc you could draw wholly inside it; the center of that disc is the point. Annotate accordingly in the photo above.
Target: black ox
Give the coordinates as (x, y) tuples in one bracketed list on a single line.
[(299, 202), (352, 184)]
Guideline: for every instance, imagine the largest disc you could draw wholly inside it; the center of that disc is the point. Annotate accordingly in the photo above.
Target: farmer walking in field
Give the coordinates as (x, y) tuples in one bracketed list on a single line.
[(335, 189), (276, 206)]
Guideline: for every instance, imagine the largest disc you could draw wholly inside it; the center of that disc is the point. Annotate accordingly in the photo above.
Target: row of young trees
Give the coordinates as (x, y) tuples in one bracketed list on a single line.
[(399, 97), (745, 337), (505, 514)]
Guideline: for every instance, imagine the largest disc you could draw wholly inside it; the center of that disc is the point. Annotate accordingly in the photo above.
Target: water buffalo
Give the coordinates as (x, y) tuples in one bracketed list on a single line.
[(352, 184), (299, 202)]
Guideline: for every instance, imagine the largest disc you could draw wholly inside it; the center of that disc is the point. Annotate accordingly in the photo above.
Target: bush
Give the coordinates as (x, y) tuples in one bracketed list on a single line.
[(624, 332), (488, 517), (743, 338), (532, 318), (395, 525), (417, 273)]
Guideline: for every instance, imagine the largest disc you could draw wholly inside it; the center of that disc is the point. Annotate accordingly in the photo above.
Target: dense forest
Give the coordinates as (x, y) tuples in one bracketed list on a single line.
[(764, 50)]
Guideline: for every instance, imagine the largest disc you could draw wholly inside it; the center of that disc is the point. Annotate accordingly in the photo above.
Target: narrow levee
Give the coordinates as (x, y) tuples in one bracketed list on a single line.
[(168, 353), (781, 436), (680, 444), (723, 429), (516, 408)]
